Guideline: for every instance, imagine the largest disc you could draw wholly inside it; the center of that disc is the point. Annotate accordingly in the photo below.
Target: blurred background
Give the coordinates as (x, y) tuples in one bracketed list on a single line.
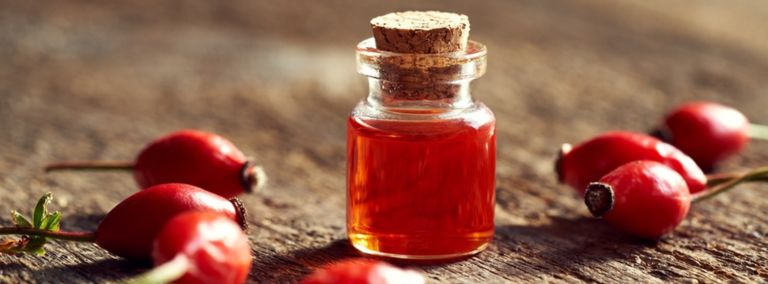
[(99, 79), (131, 68)]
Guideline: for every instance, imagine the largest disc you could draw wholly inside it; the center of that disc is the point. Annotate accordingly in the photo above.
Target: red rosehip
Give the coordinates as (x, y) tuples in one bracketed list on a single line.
[(590, 160), (708, 132), (644, 198), (129, 229), (193, 157), (210, 247), (198, 158), (363, 271)]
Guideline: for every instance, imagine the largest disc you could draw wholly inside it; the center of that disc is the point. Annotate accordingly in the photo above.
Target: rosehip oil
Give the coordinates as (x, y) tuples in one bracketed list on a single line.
[(421, 157), (421, 188)]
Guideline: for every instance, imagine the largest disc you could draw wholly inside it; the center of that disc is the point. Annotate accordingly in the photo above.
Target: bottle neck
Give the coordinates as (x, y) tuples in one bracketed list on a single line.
[(420, 83), (419, 96)]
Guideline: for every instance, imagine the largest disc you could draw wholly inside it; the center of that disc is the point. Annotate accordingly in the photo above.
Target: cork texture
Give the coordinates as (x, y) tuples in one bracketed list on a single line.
[(421, 32)]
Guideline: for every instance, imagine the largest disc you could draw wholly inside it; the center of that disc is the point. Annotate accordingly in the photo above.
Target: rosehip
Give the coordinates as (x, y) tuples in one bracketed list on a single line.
[(590, 160), (708, 132), (129, 229), (644, 198), (200, 247), (362, 271), (194, 157)]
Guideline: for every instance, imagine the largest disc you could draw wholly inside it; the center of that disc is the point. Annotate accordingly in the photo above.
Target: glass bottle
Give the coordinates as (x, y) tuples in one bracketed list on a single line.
[(421, 156)]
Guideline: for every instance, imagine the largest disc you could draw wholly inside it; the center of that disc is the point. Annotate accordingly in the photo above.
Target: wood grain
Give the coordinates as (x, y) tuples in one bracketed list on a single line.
[(98, 80)]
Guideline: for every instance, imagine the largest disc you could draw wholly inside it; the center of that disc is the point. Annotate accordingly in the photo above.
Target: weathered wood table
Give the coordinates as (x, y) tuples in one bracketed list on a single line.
[(98, 80)]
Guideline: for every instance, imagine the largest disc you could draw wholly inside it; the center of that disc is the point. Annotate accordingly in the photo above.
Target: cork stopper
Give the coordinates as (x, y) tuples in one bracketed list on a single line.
[(421, 56), (423, 32)]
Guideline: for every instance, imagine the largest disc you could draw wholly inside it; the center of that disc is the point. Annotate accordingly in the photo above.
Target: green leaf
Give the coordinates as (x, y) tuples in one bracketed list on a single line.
[(19, 220), (39, 251), (53, 221), (36, 245), (41, 219), (41, 210)]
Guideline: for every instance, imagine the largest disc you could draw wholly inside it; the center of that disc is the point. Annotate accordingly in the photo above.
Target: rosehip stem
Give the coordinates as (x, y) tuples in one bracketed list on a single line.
[(70, 236), (90, 165), (165, 273), (719, 178), (724, 183), (758, 131)]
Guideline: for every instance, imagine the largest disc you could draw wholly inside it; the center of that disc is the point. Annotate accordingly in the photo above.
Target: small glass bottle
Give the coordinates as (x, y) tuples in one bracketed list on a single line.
[(421, 156)]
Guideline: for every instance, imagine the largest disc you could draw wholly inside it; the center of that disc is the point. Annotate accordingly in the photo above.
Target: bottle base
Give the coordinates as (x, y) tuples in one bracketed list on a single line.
[(364, 250), (383, 247)]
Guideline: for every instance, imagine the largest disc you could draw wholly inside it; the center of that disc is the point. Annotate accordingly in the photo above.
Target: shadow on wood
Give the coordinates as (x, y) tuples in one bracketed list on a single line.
[(565, 246), (84, 222), (295, 264), (97, 271)]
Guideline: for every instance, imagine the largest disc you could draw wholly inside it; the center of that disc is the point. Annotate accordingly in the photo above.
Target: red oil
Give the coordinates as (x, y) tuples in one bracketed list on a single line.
[(421, 189)]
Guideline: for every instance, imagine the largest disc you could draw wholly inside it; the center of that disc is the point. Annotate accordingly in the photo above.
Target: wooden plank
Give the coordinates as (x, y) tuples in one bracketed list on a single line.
[(99, 80)]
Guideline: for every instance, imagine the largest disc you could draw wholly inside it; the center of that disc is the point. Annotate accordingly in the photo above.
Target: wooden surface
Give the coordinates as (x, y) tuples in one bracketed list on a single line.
[(99, 79)]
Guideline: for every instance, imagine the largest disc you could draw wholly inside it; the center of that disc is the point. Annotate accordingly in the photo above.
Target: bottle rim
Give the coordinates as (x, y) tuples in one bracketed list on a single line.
[(453, 66)]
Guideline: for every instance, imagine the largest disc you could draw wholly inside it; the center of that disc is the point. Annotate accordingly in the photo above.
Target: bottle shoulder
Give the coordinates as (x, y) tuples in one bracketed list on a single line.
[(476, 117), (476, 111)]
